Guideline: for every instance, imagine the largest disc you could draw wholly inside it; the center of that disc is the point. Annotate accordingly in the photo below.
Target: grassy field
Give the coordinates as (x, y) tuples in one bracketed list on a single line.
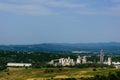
[(51, 73)]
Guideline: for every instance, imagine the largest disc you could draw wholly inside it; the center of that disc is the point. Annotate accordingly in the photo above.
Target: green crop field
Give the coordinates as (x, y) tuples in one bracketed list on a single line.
[(52, 73)]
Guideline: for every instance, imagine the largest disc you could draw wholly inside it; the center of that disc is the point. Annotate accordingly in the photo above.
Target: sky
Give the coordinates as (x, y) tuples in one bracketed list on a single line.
[(59, 21)]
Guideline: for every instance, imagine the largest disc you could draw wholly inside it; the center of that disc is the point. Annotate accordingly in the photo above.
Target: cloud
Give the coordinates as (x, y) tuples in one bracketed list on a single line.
[(66, 4), (54, 3), (36, 7), (110, 8), (54, 7), (26, 9), (113, 11)]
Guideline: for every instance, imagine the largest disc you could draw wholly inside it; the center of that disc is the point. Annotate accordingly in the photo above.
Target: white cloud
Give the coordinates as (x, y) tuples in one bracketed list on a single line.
[(26, 9), (112, 9), (66, 4), (107, 11), (52, 7), (37, 7)]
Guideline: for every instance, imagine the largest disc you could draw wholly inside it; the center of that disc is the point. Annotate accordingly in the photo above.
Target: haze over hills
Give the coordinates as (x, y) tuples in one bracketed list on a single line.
[(111, 47)]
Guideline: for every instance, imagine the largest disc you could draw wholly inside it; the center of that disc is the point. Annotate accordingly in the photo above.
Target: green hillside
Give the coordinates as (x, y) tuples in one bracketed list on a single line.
[(53, 73)]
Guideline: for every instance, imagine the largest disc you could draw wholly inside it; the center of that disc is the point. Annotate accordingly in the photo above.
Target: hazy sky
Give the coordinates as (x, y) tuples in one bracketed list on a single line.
[(60, 21)]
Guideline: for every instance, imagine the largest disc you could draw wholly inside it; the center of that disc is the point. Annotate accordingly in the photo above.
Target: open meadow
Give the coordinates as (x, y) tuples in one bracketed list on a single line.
[(52, 73)]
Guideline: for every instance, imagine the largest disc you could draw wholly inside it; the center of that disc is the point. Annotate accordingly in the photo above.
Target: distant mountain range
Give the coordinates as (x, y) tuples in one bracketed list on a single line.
[(64, 47)]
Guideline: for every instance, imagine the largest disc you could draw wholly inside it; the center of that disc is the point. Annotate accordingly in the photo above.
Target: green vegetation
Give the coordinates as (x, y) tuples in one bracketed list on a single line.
[(38, 59), (40, 70), (111, 76), (58, 73)]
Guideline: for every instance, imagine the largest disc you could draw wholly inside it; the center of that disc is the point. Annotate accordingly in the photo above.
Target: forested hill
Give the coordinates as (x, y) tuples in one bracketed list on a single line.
[(63, 47)]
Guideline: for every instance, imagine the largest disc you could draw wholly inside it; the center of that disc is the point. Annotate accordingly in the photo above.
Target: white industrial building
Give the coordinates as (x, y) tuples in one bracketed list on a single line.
[(68, 61), (19, 64), (109, 60), (62, 62), (83, 60), (116, 64), (79, 60), (101, 56)]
